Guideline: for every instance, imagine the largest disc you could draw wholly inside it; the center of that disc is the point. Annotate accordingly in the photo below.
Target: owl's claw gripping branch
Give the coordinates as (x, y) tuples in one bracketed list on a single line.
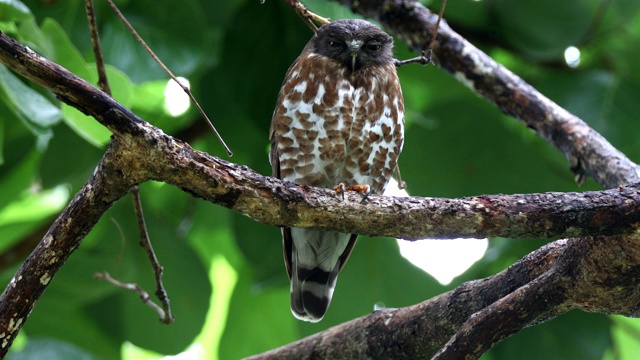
[(365, 190)]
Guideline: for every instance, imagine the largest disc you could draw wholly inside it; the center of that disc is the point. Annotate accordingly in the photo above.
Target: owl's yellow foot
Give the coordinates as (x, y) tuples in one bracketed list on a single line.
[(365, 190)]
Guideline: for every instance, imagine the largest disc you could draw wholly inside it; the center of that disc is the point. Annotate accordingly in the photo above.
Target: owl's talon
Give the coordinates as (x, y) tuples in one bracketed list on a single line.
[(365, 190), (340, 189)]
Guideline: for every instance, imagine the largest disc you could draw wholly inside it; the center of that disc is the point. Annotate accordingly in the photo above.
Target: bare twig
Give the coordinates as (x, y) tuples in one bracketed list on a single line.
[(307, 16), (435, 28), (166, 69), (423, 59), (103, 82), (401, 183), (145, 242), (425, 56), (144, 296)]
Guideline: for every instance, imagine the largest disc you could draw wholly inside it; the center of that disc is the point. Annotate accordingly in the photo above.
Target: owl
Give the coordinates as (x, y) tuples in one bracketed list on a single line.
[(339, 118)]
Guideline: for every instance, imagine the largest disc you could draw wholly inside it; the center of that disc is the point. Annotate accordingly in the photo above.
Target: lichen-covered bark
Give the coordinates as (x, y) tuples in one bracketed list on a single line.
[(108, 184)]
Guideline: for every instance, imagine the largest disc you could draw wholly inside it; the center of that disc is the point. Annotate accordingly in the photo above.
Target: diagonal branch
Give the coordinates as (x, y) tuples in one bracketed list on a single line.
[(589, 153), (104, 187)]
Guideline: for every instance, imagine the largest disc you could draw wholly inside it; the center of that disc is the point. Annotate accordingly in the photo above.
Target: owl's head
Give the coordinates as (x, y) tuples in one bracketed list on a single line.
[(353, 43)]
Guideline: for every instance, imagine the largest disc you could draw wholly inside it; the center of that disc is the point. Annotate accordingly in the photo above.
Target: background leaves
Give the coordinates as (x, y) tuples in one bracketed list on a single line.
[(224, 272)]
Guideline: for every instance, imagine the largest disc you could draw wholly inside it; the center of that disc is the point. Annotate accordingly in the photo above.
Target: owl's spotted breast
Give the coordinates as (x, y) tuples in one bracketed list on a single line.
[(330, 129)]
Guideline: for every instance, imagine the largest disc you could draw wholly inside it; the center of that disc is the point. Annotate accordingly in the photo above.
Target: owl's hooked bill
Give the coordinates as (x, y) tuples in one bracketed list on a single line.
[(354, 48)]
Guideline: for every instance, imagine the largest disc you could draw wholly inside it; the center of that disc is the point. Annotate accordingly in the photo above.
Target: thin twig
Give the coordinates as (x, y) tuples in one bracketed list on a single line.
[(307, 16), (145, 242), (425, 56), (423, 59), (103, 82), (144, 296), (166, 69), (401, 183), (435, 29)]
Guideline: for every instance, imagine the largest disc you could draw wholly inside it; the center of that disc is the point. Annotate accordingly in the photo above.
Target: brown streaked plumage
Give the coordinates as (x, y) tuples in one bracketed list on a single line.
[(339, 119)]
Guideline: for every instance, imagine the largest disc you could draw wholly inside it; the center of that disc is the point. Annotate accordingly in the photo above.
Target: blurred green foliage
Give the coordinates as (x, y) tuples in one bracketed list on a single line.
[(224, 273)]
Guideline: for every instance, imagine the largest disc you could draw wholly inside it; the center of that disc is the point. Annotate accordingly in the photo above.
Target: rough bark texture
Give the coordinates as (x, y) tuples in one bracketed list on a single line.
[(597, 272)]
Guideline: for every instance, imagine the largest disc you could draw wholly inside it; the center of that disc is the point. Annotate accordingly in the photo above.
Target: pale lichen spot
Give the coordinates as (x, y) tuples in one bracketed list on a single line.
[(45, 279), (464, 80), (481, 66), (47, 240), (14, 325)]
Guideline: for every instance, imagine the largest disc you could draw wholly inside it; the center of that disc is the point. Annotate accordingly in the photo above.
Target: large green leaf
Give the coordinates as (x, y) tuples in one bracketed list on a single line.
[(181, 40), (259, 319), (14, 10), (625, 333), (28, 103), (45, 348), (68, 56)]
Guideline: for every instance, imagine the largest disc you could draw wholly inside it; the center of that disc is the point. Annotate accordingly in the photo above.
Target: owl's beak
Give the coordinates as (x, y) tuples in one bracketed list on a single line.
[(354, 49)]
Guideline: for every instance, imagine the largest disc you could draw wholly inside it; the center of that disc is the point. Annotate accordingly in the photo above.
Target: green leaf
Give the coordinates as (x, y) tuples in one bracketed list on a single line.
[(14, 10), (625, 333), (61, 166), (260, 316), (46, 348), (181, 40), (34, 206), (79, 328), (67, 55), (30, 104), (86, 127)]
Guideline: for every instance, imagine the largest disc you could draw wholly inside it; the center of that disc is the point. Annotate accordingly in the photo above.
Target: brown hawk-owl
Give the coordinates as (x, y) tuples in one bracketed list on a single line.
[(339, 119)]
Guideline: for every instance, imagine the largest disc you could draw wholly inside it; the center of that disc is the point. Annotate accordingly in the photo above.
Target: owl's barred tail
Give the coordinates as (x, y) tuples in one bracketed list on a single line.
[(313, 259), (311, 292)]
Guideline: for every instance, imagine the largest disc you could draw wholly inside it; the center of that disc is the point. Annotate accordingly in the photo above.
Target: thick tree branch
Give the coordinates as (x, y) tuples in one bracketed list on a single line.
[(418, 331), (106, 185), (158, 156), (476, 315), (588, 152)]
